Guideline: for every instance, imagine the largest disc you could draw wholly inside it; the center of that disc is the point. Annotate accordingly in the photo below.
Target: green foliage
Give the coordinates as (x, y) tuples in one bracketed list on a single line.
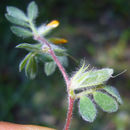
[(21, 32), (44, 57), (90, 83), (49, 68), (63, 60), (29, 47), (87, 109), (16, 21), (32, 11), (84, 78), (105, 102), (27, 21), (59, 51), (96, 77), (24, 62), (31, 68), (16, 13), (113, 91), (26, 28), (17, 16)]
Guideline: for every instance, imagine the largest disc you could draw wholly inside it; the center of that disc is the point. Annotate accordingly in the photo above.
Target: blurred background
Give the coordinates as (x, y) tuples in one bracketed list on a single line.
[(97, 30)]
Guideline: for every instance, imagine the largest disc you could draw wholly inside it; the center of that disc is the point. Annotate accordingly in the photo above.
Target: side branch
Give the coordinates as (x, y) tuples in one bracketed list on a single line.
[(61, 68)]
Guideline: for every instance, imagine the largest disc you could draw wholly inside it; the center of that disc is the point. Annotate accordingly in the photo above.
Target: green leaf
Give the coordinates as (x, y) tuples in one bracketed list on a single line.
[(97, 77), (105, 102), (113, 91), (24, 62), (17, 13), (43, 57), (49, 68), (32, 10), (29, 47), (16, 21), (63, 60), (58, 50), (21, 32), (87, 109), (91, 78), (31, 68)]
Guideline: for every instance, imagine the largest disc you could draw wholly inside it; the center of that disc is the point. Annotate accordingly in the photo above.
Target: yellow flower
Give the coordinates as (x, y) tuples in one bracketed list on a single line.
[(58, 40), (53, 24), (46, 28)]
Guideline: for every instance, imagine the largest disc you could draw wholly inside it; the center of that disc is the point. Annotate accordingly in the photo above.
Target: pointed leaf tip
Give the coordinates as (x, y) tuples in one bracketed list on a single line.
[(24, 62)]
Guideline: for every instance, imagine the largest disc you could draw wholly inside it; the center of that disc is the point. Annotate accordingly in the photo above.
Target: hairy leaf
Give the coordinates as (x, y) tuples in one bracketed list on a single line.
[(16, 21), (96, 77), (49, 68), (24, 62), (87, 109), (43, 57), (32, 10), (29, 47), (17, 13), (63, 60), (90, 78), (21, 32), (31, 68), (59, 51), (105, 102), (113, 91)]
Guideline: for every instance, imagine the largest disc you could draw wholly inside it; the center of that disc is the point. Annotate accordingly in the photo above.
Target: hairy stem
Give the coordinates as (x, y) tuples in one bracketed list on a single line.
[(69, 114), (61, 68)]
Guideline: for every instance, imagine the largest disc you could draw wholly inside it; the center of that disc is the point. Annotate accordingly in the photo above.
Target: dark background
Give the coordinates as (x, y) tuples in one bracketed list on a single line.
[(97, 30)]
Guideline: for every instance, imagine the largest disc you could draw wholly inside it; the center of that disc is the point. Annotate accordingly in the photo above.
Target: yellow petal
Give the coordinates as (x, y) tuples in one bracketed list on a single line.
[(58, 40), (54, 24)]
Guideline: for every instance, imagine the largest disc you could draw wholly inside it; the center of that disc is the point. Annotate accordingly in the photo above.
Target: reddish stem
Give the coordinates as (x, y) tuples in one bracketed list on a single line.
[(61, 68), (69, 114)]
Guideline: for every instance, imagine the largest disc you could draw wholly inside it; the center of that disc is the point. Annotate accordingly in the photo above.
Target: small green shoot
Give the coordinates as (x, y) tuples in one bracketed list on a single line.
[(90, 84)]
